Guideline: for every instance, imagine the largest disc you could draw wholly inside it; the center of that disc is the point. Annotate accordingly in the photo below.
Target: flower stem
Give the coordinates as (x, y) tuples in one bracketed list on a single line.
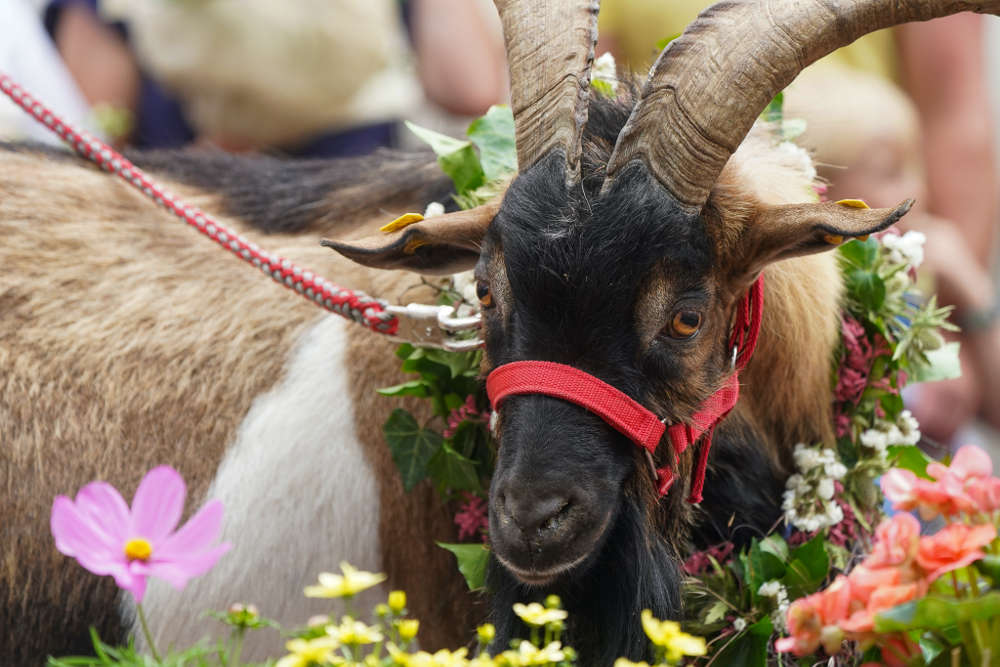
[(147, 633), (234, 654)]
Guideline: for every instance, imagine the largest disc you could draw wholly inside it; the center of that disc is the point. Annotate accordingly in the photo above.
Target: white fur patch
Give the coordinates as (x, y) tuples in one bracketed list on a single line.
[(299, 497)]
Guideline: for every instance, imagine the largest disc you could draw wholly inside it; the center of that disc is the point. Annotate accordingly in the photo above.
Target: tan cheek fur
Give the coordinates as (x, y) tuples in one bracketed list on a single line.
[(126, 341), (787, 389)]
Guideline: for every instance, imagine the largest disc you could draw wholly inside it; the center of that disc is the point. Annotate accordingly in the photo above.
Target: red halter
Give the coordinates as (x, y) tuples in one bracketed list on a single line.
[(629, 417)]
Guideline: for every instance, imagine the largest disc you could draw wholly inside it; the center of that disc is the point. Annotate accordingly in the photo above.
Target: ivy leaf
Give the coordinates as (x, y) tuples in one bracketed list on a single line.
[(412, 388), (910, 457), (453, 471), (457, 158), (493, 135), (860, 254), (932, 613), (412, 447), (760, 565), (472, 560), (808, 568)]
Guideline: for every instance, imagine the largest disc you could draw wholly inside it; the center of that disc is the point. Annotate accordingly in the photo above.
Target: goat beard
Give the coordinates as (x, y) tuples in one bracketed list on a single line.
[(634, 569)]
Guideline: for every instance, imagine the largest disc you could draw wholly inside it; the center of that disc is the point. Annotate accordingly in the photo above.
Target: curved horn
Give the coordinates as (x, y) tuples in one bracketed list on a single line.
[(710, 84), (550, 48)]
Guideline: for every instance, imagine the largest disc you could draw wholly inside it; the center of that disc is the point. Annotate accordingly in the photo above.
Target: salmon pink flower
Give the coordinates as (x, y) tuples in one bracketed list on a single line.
[(815, 619), (952, 547), (969, 462), (896, 541), (107, 538)]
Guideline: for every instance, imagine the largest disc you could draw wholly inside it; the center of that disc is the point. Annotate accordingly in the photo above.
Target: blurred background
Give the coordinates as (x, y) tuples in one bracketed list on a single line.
[(908, 112)]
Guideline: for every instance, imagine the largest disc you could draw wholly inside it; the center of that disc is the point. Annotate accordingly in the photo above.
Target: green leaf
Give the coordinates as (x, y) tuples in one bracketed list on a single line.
[(452, 471), (933, 613), (603, 87), (892, 404), (990, 566), (749, 649), (910, 457), (663, 43), (867, 288), (463, 168), (441, 144), (943, 364), (493, 135), (810, 563), (760, 566), (774, 109), (412, 447), (412, 388), (775, 545), (930, 648), (457, 158), (472, 560), (860, 254), (716, 612), (457, 363)]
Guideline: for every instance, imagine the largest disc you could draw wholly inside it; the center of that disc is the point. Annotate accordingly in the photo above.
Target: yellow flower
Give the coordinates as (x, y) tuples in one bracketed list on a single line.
[(408, 629), (486, 633), (625, 662), (442, 658), (305, 652), (397, 601), (529, 654), (353, 581), (536, 614), (353, 632), (668, 635)]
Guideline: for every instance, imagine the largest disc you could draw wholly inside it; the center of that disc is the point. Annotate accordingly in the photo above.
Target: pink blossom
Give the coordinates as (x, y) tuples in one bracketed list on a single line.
[(699, 561), (842, 424), (850, 385), (969, 462), (953, 547), (896, 541), (472, 517), (107, 538)]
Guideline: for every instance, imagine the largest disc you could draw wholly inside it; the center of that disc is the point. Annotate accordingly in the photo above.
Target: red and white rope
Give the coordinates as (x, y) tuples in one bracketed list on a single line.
[(358, 306)]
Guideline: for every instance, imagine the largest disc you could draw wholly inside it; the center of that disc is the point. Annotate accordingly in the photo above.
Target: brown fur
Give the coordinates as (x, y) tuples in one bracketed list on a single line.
[(125, 342)]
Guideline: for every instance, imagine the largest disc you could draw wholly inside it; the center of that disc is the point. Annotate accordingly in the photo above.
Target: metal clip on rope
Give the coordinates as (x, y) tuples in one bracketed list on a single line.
[(435, 326)]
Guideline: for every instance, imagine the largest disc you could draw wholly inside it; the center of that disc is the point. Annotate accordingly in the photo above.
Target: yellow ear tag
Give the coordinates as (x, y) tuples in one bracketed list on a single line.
[(853, 203), (833, 239), (412, 245), (400, 222)]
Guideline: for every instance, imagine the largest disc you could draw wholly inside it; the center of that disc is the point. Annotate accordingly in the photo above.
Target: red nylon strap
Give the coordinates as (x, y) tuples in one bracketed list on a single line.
[(628, 416), (621, 412)]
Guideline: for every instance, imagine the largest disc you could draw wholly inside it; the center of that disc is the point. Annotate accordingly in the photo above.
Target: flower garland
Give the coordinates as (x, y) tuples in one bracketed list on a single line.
[(831, 504)]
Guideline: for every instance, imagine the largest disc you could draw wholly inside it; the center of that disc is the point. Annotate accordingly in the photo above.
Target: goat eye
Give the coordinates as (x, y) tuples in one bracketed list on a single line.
[(685, 323), (483, 292)]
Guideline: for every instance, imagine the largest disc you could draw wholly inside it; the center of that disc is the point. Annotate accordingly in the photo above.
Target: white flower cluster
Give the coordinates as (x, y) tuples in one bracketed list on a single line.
[(885, 434), (808, 499), (906, 249), (776, 590), (604, 70)]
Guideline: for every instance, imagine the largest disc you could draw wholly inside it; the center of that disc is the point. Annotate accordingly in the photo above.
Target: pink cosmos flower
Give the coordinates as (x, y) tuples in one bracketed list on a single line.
[(106, 537)]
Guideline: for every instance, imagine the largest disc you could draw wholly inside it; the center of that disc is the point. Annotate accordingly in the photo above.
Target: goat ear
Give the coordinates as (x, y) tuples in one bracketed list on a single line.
[(439, 245), (789, 230)]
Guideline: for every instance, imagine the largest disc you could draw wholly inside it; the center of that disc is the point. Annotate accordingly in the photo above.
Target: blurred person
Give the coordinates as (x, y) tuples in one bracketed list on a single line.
[(314, 77), (936, 146)]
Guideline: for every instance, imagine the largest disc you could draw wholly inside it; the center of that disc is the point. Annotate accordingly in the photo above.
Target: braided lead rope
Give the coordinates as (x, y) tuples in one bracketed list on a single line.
[(373, 313)]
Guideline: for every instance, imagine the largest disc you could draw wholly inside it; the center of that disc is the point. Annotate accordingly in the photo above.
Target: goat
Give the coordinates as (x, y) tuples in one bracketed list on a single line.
[(621, 249)]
